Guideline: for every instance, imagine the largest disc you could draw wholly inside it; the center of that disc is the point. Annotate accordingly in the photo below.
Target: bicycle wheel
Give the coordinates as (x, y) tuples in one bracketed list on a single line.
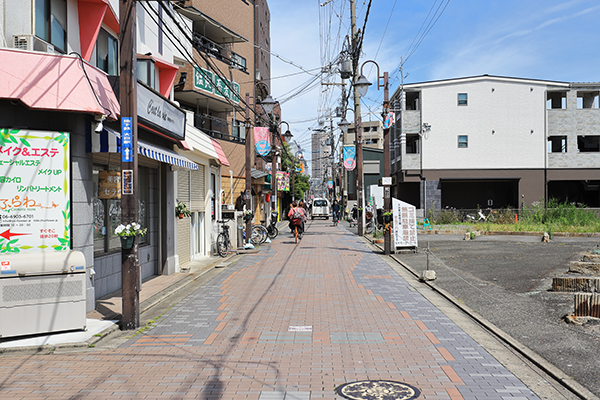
[(369, 228), (258, 235), (222, 245), (263, 233), (272, 232)]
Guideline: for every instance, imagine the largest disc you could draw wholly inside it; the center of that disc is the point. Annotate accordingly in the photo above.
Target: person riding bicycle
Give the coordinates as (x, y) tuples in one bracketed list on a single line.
[(336, 211), (302, 205), (296, 215)]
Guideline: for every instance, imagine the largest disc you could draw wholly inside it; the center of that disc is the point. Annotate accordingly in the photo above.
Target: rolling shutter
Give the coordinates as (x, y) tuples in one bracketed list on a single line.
[(197, 190)]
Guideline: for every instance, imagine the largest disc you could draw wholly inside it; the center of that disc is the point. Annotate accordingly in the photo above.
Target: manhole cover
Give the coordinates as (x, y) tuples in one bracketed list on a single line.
[(378, 390)]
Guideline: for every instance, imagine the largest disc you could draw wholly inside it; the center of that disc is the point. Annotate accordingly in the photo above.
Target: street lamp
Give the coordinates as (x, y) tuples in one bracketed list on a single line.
[(362, 86)]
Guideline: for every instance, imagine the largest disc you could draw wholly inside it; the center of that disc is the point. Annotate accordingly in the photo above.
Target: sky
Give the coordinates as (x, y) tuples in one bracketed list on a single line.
[(555, 40)]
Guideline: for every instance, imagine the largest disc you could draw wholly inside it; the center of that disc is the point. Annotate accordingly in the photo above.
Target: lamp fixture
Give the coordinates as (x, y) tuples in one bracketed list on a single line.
[(362, 85), (268, 104), (344, 124)]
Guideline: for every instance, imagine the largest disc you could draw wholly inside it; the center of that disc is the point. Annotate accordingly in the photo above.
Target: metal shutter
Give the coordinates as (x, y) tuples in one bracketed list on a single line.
[(183, 187), (197, 190), (183, 241)]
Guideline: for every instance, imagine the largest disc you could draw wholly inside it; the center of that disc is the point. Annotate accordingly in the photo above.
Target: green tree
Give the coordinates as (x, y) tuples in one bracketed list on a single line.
[(289, 163)]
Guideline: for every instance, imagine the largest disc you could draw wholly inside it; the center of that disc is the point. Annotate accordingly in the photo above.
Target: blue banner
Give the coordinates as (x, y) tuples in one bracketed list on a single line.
[(349, 157)]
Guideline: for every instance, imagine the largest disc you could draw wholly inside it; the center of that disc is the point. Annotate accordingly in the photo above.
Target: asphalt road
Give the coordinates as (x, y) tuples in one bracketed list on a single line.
[(507, 280)]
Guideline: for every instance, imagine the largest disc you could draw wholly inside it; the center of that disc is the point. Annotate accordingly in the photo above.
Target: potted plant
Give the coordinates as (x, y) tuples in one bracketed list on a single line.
[(248, 215), (181, 210), (388, 216), (128, 232)]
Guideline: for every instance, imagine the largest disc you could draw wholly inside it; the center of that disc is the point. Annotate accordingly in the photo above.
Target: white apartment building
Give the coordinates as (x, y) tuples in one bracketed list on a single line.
[(491, 141)]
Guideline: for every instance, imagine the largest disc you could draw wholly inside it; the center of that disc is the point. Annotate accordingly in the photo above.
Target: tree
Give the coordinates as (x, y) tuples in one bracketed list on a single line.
[(289, 163)]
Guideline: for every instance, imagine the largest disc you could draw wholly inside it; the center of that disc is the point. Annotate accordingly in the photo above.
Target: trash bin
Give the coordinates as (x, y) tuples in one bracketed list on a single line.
[(42, 293)]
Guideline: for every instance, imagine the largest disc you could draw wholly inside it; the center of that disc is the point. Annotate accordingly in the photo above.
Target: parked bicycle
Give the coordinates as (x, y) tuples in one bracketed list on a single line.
[(272, 230), (223, 241)]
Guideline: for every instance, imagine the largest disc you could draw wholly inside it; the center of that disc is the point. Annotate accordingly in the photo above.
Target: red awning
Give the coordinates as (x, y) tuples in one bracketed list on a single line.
[(222, 158), (56, 82)]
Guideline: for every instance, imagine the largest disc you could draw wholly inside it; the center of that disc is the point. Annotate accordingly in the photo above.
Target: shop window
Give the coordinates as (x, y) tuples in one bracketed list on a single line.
[(463, 141), (588, 144), (462, 99), (106, 204), (556, 100), (107, 53), (51, 22), (587, 99), (557, 144)]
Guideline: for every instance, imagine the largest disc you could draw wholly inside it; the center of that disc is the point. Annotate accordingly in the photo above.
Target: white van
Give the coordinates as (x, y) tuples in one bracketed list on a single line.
[(320, 208)]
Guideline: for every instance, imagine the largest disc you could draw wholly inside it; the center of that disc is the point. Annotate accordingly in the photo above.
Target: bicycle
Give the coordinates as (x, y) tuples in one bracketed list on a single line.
[(336, 218), (258, 235), (223, 242)]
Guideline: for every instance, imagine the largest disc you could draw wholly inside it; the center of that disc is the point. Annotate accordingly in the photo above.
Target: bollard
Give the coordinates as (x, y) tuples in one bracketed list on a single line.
[(516, 219)]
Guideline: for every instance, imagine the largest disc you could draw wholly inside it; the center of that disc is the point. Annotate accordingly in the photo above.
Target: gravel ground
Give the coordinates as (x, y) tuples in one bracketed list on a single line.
[(507, 280)]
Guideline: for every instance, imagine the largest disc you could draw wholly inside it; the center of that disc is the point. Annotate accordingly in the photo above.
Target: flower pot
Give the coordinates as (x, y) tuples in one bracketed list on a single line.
[(180, 216), (127, 242)]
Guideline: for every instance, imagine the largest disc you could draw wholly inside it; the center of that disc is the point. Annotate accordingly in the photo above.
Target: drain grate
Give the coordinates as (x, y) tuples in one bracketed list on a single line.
[(378, 390)]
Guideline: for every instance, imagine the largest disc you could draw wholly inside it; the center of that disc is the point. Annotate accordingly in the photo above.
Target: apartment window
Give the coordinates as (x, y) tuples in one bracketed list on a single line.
[(462, 99), (412, 100), (463, 141), (557, 144), (412, 144), (107, 53), (51, 22), (587, 99), (588, 144), (238, 62), (146, 73), (238, 130), (556, 100)]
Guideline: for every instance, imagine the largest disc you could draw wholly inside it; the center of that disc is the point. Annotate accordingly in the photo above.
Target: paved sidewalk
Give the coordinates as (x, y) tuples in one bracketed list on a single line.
[(289, 322)]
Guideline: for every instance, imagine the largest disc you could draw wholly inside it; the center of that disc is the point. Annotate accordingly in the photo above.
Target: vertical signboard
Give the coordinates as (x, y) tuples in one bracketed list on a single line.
[(35, 208), (126, 139), (405, 224)]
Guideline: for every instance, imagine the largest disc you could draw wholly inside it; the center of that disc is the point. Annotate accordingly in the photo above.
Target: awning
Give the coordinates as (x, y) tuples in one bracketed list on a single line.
[(222, 158), (109, 141), (257, 174), (56, 82)]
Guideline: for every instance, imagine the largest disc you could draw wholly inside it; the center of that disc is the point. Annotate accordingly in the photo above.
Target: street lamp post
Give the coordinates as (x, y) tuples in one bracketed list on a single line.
[(362, 85)]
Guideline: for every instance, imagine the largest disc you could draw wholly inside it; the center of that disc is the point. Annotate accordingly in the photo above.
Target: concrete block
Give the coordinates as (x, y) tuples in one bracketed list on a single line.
[(586, 268), (428, 275)]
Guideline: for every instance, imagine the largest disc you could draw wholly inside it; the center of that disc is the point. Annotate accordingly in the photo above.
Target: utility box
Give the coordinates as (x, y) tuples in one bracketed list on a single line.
[(42, 293)]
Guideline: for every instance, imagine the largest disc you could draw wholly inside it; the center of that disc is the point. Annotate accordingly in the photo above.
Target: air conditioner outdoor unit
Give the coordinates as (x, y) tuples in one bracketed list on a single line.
[(32, 43)]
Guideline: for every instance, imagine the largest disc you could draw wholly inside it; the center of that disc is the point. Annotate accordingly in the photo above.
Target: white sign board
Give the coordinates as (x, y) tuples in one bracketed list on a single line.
[(405, 224), (35, 183)]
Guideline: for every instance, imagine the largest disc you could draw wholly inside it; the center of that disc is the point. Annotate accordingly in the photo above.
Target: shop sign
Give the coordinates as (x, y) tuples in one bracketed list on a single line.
[(214, 84), (283, 181), (35, 208), (159, 112), (109, 185)]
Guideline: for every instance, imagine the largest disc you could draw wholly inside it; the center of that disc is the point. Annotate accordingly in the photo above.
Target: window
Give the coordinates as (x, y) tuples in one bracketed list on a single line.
[(51, 22), (412, 144), (238, 131), (106, 206), (238, 62), (107, 53), (557, 144), (412, 100), (588, 144), (463, 141), (146, 73), (587, 99), (462, 99), (556, 100)]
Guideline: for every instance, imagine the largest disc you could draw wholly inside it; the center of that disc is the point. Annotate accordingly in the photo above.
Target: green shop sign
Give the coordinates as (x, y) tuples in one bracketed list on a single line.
[(214, 84)]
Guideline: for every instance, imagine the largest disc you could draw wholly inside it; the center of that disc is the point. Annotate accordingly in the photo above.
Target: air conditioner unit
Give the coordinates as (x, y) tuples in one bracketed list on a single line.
[(32, 43)]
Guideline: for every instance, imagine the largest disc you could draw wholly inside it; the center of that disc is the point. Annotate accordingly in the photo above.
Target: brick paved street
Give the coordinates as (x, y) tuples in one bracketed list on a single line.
[(290, 322)]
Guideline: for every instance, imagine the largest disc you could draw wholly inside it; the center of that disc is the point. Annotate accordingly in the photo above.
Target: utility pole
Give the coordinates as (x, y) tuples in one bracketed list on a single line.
[(130, 269), (357, 121), (387, 198), (248, 148)]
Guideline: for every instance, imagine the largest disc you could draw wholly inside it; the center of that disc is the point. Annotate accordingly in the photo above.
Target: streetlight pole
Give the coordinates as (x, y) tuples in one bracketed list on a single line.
[(361, 86)]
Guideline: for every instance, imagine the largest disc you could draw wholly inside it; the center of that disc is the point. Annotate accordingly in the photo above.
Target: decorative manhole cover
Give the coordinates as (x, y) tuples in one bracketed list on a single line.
[(378, 390)]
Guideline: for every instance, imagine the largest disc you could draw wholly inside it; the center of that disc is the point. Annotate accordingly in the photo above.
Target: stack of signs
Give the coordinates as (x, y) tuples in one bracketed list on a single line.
[(405, 224)]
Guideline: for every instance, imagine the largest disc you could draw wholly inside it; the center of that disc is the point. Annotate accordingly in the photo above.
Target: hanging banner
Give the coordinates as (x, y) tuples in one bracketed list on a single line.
[(349, 157), (405, 224), (35, 191), (389, 120), (261, 138), (283, 181)]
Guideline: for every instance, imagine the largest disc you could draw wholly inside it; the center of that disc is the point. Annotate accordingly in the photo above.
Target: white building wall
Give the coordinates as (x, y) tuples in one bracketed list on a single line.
[(504, 121)]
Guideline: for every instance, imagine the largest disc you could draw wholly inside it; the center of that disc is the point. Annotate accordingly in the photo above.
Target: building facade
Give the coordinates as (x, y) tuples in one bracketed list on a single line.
[(496, 142), (62, 60)]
